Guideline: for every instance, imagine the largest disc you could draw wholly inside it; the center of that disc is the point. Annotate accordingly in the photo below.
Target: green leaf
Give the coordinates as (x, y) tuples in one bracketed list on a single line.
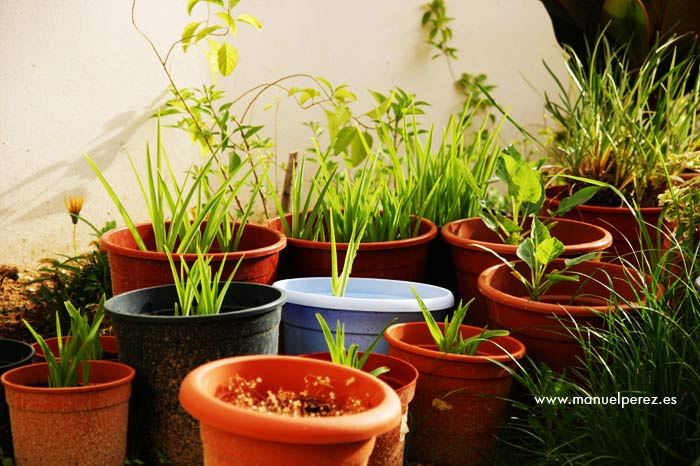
[(345, 136), (190, 5), (579, 197), (229, 21), (548, 250), (359, 149), (527, 252), (188, 34), (227, 59), (249, 19)]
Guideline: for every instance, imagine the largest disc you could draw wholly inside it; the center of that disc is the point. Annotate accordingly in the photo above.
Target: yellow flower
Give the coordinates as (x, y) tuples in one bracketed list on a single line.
[(74, 204)]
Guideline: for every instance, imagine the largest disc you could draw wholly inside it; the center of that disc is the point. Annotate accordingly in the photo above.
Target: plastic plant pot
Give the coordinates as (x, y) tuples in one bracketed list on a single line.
[(13, 354), (368, 306)]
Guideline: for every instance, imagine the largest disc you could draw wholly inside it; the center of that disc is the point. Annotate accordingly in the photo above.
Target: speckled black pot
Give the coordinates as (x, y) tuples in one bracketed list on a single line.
[(163, 349)]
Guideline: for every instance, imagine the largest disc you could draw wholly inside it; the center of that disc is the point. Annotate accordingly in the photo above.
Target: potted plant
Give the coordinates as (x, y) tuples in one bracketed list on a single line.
[(14, 354), (165, 332), (398, 374), (549, 303), (234, 431), (465, 375), (395, 240), (471, 239), (70, 410), (186, 216), (621, 128)]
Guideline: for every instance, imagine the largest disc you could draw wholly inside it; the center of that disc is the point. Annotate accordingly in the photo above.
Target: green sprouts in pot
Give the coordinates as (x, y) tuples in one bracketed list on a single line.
[(198, 292), (80, 347), (450, 339)]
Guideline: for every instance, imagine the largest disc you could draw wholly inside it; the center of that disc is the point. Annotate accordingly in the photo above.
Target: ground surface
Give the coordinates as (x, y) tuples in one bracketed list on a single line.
[(14, 303)]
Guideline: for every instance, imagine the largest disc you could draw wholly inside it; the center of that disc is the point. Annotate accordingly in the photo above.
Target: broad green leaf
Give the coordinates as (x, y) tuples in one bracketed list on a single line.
[(187, 36), (227, 59), (579, 259), (359, 149), (548, 250), (345, 136), (249, 19), (527, 252), (228, 21), (555, 277), (190, 5), (579, 197)]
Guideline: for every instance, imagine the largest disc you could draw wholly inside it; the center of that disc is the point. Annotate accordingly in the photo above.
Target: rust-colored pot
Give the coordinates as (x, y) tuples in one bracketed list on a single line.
[(235, 436), (402, 377), (132, 268), (80, 426), (549, 328), (404, 259), (470, 260), (460, 400)]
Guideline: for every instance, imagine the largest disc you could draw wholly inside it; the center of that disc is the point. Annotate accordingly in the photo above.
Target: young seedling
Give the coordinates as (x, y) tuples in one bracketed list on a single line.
[(451, 340), (538, 251), (199, 293), (82, 345), (525, 195), (349, 357)]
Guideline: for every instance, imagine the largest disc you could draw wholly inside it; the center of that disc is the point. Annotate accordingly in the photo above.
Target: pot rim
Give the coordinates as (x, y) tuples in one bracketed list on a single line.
[(209, 410), (125, 374), (107, 243), (601, 209), (366, 246), (603, 241), (186, 320), (24, 360), (503, 356), (374, 294), (538, 307)]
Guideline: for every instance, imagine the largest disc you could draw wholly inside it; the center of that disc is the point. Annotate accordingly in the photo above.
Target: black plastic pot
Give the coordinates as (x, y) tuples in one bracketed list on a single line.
[(13, 354), (163, 349)]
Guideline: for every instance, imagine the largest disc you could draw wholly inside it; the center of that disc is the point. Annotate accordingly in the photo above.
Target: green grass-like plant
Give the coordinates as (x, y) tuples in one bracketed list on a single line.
[(81, 346)]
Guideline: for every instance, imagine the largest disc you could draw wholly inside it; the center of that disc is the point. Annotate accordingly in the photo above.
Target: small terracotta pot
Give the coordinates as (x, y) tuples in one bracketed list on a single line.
[(108, 343), (234, 436), (470, 260), (549, 328), (133, 269), (402, 377), (81, 426), (620, 221), (460, 400), (403, 259)]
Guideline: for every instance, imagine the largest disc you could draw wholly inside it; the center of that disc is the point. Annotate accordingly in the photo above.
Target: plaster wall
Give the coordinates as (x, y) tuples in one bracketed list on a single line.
[(76, 77)]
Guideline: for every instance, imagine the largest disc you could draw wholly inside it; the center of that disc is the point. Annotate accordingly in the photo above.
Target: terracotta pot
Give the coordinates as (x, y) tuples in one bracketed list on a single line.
[(620, 221), (460, 400), (404, 259), (402, 377), (81, 426), (549, 328), (469, 260), (163, 349), (108, 343), (133, 269), (13, 354), (234, 436), (367, 308)]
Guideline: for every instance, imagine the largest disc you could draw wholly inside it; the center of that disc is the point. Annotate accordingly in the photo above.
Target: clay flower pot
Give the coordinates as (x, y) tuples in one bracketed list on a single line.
[(81, 426), (402, 377), (132, 268), (620, 221), (470, 260), (549, 327), (235, 436), (108, 343), (13, 354), (164, 348), (368, 306), (403, 259), (460, 400)]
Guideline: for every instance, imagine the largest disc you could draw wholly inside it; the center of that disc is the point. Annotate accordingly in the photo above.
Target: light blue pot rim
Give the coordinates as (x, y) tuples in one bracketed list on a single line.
[(365, 294)]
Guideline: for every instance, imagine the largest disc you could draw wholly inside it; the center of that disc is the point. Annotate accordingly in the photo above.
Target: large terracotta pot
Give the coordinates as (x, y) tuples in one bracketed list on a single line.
[(460, 400), (13, 354), (470, 260), (164, 348), (550, 328), (402, 377), (133, 269), (80, 426), (235, 436), (404, 259), (622, 223)]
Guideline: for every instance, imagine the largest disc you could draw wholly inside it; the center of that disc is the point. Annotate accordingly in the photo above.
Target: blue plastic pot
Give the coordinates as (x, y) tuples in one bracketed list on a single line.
[(368, 306)]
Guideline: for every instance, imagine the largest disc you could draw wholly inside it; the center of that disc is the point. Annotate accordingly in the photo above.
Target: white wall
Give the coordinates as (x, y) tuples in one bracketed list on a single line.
[(76, 78)]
